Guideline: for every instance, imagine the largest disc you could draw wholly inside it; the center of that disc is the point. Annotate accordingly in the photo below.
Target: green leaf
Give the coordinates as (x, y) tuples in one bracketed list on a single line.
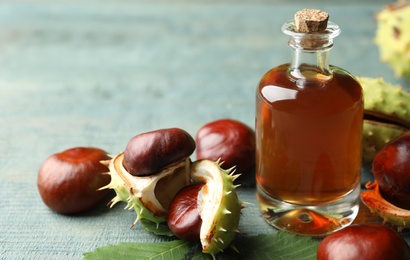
[(278, 245), (176, 249), (158, 229)]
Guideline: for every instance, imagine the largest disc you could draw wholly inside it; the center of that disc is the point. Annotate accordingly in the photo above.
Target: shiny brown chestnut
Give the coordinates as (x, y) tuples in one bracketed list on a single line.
[(391, 170), (68, 181), (366, 242), (151, 152), (229, 140), (183, 213)]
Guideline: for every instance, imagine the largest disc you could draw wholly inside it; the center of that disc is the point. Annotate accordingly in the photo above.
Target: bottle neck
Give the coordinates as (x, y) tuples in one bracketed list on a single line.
[(310, 65), (310, 55)]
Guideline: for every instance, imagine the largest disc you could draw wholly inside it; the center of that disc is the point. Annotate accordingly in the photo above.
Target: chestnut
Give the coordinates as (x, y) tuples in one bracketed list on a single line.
[(151, 152), (229, 140), (367, 242), (152, 169), (68, 181), (183, 213), (391, 170)]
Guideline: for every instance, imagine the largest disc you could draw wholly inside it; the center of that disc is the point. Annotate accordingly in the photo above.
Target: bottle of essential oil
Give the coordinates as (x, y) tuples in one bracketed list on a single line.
[(308, 134)]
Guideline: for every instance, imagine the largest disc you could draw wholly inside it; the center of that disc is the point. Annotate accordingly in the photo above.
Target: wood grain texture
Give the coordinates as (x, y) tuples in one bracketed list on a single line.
[(96, 73)]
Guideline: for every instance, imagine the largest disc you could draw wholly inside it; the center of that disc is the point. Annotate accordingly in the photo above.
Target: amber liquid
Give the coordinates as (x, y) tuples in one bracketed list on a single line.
[(308, 136)]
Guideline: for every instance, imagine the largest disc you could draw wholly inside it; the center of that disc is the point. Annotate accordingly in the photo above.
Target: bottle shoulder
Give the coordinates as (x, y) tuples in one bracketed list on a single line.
[(279, 76), (275, 86)]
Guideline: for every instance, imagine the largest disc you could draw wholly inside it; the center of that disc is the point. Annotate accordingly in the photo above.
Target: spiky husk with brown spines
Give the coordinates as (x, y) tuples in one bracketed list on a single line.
[(143, 194), (393, 36), (390, 213), (220, 206), (387, 114)]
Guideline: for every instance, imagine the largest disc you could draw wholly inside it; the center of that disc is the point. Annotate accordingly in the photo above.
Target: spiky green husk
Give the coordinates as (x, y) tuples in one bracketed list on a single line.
[(220, 210), (220, 207), (376, 136), (140, 192), (387, 211), (393, 37), (384, 102)]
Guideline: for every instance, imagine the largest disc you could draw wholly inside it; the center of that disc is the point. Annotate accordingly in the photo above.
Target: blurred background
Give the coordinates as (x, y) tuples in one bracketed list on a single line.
[(141, 63)]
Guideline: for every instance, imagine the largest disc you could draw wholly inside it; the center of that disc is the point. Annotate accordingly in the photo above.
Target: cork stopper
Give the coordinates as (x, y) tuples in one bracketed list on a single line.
[(311, 21)]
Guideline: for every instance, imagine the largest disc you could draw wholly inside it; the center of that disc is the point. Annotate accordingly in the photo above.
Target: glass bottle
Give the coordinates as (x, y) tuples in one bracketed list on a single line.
[(308, 139)]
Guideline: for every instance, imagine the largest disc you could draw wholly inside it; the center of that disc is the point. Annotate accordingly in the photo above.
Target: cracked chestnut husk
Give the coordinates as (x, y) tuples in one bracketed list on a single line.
[(152, 169), (390, 213), (209, 209), (365, 242), (389, 195), (386, 114), (151, 196), (218, 205)]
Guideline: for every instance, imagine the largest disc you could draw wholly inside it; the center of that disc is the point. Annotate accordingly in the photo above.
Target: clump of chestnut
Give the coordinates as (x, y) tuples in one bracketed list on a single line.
[(157, 179), (389, 195)]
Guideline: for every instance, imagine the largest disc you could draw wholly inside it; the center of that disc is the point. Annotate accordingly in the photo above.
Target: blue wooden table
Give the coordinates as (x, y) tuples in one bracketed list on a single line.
[(96, 73)]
